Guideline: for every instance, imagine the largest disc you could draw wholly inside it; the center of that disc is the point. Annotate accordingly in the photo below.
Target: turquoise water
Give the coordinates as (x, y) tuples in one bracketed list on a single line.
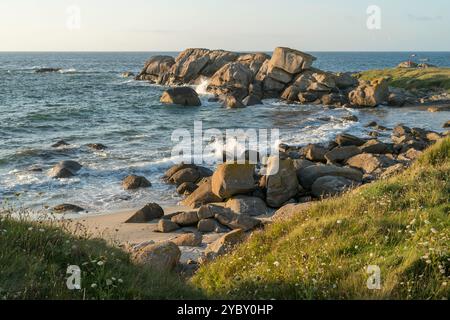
[(90, 102)]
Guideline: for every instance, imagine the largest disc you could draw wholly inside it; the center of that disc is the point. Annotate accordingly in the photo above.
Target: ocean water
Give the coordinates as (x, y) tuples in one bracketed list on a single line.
[(90, 102)]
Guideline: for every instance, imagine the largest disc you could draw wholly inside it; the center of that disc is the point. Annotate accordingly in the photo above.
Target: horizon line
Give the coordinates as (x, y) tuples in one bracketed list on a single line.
[(243, 51)]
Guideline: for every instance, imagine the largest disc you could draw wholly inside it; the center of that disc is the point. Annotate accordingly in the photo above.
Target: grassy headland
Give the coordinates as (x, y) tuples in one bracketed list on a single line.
[(401, 225), (412, 78)]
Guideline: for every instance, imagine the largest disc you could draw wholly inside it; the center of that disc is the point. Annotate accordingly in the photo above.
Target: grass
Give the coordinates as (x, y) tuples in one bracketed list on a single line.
[(34, 258), (412, 79), (401, 225)]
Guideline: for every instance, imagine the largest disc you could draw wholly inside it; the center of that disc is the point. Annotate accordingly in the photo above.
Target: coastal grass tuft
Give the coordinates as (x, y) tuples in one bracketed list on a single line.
[(412, 78), (401, 225), (34, 257)]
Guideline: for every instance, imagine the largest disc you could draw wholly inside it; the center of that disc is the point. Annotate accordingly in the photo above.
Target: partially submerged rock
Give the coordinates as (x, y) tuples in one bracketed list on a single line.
[(65, 169), (133, 182), (67, 208), (184, 96)]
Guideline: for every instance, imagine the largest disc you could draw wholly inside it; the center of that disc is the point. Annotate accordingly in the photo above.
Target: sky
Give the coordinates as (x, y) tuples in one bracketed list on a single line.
[(239, 25)]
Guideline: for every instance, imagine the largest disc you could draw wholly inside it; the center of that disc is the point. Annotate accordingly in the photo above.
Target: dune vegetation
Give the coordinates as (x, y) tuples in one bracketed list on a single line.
[(34, 258), (412, 78)]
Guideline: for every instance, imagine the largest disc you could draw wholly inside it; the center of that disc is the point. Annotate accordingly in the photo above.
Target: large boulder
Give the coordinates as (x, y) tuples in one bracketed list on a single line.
[(224, 244), (290, 60), (331, 186), (368, 162), (194, 63), (155, 67), (192, 239), (202, 195), (281, 181), (184, 96), (185, 218), (254, 61), (185, 175), (310, 174), (233, 78), (252, 206), (148, 213), (345, 80), (374, 146), (210, 210), (237, 221), (188, 65), (161, 256), (135, 182), (165, 226), (315, 153), (232, 179), (346, 139), (342, 154), (370, 94)]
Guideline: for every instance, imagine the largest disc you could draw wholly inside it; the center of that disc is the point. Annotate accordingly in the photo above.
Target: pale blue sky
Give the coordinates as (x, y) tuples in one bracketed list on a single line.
[(172, 25)]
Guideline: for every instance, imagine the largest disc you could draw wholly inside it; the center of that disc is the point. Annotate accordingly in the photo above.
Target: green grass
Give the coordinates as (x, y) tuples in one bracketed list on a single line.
[(401, 225), (34, 258), (412, 79)]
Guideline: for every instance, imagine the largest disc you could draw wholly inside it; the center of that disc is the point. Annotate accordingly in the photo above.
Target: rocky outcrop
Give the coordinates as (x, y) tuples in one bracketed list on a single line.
[(370, 94), (165, 226), (155, 68), (287, 73), (184, 96), (233, 78)]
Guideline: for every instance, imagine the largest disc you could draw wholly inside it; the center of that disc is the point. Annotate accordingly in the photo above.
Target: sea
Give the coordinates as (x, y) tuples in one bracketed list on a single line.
[(89, 101)]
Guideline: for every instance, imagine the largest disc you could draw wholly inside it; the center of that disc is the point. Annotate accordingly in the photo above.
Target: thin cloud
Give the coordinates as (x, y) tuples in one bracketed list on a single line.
[(425, 18)]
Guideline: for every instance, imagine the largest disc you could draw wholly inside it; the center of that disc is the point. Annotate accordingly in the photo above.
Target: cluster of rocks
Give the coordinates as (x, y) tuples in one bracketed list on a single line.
[(240, 80), (413, 65), (237, 197)]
